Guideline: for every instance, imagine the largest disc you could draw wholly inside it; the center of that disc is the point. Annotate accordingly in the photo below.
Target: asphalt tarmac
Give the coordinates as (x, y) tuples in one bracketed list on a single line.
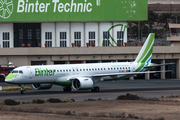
[(108, 90)]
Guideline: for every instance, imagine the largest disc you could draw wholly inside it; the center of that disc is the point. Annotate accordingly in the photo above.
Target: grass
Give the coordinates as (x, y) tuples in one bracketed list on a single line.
[(15, 88)]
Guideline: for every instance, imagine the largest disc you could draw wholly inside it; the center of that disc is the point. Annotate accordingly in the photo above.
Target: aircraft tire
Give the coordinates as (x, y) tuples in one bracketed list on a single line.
[(69, 88), (23, 91), (64, 89), (96, 89), (92, 90)]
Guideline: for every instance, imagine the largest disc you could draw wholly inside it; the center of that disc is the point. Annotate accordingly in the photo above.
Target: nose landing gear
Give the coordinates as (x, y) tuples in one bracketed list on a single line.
[(23, 91)]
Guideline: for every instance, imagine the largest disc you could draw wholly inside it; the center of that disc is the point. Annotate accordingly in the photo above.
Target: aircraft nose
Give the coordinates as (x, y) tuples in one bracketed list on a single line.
[(10, 78)]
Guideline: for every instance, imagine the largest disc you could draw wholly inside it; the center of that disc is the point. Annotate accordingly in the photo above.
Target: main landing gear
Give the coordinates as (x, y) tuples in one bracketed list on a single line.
[(95, 89), (67, 88), (23, 91)]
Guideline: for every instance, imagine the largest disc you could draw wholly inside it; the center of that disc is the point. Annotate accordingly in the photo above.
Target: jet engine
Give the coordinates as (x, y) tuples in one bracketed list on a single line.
[(82, 83), (41, 86)]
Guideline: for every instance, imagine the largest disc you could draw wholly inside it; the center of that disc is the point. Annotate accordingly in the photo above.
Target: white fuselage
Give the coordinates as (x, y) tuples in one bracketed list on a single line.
[(61, 73)]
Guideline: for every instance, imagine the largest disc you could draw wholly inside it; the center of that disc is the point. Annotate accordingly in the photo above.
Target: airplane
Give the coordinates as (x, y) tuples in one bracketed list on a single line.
[(83, 76)]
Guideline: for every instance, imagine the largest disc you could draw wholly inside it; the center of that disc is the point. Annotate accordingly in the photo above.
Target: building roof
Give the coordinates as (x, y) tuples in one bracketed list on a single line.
[(164, 1)]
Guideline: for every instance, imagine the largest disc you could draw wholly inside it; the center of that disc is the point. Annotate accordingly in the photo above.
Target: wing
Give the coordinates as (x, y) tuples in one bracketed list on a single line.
[(127, 73)]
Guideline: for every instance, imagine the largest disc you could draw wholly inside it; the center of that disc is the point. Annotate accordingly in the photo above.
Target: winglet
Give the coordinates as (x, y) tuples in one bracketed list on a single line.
[(145, 54)]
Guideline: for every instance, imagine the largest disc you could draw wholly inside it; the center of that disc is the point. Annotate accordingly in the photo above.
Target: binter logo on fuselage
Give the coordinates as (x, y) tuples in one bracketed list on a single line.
[(46, 72)]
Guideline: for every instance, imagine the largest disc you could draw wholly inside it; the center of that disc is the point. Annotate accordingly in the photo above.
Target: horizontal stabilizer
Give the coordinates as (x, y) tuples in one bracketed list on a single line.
[(157, 65)]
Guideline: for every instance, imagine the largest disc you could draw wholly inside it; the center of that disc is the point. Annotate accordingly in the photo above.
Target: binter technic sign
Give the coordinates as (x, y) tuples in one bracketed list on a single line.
[(72, 10)]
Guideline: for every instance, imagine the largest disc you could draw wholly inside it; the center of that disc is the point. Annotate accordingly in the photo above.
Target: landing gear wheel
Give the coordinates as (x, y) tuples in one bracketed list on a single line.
[(67, 89), (23, 91), (64, 89), (92, 90), (95, 89)]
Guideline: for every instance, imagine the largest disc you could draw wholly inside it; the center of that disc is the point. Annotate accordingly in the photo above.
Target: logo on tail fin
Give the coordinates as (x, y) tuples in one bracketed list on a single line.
[(145, 54)]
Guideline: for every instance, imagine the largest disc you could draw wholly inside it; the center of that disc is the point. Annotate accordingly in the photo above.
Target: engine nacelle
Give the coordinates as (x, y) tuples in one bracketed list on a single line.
[(41, 86), (82, 83)]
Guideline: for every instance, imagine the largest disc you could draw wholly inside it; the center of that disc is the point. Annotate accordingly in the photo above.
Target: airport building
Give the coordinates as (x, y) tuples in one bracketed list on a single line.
[(36, 32)]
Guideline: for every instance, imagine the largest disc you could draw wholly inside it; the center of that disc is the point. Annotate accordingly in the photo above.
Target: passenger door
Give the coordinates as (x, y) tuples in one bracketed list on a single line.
[(30, 71)]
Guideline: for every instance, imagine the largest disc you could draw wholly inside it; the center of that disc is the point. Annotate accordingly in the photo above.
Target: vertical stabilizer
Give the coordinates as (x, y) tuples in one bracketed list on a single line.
[(145, 54)]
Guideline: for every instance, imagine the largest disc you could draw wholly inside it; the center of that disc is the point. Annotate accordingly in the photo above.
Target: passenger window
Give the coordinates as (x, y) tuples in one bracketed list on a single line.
[(101, 69), (114, 68), (69, 70), (86, 69), (98, 69), (63, 70), (104, 68)]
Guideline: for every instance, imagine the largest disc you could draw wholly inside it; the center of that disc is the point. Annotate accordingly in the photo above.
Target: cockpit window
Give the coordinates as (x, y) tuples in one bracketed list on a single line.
[(21, 72), (15, 71)]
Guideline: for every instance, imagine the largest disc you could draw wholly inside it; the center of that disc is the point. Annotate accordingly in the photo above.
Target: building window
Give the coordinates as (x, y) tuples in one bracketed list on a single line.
[(6, 40), (48, 39), (77, 38), (21, 37), (91, 38), (21, 34), (38, 35), (120, 37), (29, 36), (63, 39), (29, 33), (106, 38)]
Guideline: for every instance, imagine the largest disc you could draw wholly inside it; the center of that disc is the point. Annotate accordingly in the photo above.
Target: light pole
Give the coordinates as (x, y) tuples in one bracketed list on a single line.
[(7, 60)]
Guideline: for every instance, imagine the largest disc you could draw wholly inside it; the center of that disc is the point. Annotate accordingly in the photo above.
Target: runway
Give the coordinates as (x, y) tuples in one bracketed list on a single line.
[(108, 90)]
